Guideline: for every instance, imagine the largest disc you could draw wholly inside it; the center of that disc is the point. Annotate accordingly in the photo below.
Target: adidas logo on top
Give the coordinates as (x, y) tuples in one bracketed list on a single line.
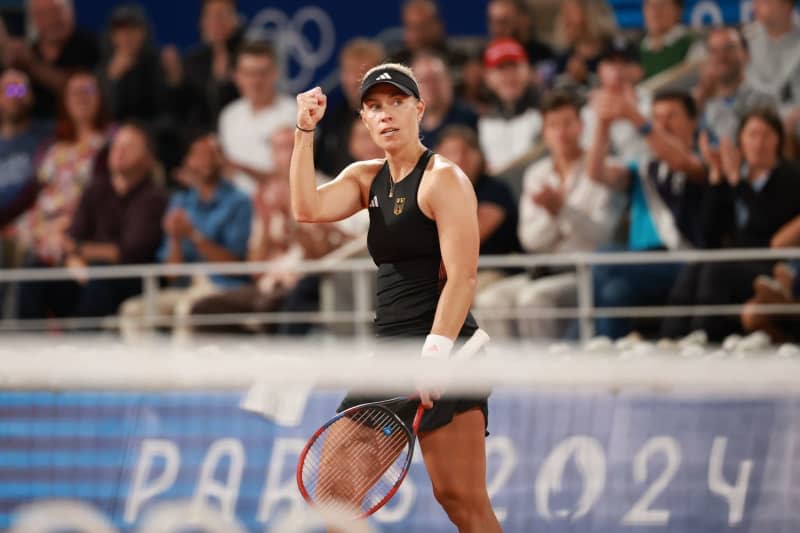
[(373, 202), (384, 76)]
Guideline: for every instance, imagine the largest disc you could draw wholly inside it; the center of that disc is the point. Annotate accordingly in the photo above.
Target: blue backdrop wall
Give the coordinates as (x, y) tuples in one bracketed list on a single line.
[(313, 32)]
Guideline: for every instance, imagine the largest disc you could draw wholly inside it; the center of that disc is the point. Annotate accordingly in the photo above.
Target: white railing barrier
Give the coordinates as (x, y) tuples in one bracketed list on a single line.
[(362, 269)]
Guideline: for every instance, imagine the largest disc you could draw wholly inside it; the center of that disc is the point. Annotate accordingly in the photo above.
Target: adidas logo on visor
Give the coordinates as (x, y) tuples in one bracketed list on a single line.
[(384, 76)]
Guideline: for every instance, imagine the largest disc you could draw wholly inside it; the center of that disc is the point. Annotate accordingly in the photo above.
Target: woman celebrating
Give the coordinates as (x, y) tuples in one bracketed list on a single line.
[(424, 237)]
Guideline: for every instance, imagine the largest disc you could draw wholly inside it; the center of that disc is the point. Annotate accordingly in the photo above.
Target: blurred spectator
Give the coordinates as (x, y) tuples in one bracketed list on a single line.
[(774, 44), (276, 237), (783, 288), (423, 29), (583, 28), (20, 138), (59, 47), (512, 19), (753, 194), (723, 92), (667, 43), (246, 124), (61, 177), (617, 75), (497, 207), (442, 109), (118, 222), (509, 130), (202, 84), (209, 222), (561, 211), (356, 58), (666, 194), (130, 74)]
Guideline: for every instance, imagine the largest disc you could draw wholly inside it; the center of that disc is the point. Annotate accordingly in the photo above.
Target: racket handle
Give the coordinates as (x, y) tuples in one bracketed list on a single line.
[(417, 418), (472, 346)]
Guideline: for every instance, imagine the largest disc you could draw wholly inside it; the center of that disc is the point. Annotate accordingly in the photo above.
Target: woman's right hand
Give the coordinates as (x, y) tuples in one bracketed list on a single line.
[(311, 107)]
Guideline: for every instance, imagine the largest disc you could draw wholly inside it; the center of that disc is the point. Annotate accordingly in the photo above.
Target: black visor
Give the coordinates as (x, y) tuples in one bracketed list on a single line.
[(392, 77)]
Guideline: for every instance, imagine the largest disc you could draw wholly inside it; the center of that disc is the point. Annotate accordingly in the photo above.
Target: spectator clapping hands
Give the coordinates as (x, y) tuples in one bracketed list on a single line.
[(724, 161)]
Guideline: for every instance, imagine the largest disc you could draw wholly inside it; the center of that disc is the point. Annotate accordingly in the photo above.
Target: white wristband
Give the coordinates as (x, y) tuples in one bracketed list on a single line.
[(436, 347)]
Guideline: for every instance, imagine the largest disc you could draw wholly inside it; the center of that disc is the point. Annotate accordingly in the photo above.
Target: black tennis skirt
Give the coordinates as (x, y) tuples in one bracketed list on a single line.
[(446, 407)]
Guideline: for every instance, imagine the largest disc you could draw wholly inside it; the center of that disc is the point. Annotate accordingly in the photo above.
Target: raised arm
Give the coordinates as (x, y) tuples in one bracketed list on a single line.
[(666, 146), (607, 109), (335, 200)]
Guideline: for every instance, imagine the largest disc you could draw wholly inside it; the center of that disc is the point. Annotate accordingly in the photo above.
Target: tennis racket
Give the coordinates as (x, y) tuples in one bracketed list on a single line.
[(358, 459)]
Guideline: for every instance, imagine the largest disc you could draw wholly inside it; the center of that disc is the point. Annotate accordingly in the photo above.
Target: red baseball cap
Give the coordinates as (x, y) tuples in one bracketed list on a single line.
[(504, 50)]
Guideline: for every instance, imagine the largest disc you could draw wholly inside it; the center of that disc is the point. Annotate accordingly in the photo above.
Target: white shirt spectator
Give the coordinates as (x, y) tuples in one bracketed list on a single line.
[(586, 221), (504, 140), (774, 66), (245, 135)]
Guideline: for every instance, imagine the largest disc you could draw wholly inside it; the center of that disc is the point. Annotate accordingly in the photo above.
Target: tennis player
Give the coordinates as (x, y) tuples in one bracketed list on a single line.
[(423, 235)]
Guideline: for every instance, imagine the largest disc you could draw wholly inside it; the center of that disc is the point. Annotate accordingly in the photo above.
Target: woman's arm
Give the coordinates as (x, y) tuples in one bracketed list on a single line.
[(335, 200), (450, 199)]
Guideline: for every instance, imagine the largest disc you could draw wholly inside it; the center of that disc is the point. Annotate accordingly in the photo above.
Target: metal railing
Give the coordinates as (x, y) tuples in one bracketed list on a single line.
[(362, 272)]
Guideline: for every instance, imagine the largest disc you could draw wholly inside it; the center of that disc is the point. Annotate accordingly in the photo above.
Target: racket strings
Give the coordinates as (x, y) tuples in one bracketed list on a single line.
[(332, 435), (335, 443), (355, 461), (314, 461), (353, 458)]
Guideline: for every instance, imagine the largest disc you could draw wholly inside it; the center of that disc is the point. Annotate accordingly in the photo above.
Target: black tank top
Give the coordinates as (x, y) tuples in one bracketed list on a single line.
[(404, 243)]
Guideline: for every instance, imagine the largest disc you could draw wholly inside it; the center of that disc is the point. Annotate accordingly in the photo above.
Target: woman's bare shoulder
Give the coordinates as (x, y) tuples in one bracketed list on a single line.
[(364, 171), (446, 172)]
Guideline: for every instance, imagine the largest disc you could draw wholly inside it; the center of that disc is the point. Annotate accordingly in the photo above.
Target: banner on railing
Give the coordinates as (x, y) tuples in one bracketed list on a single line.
[(557, 463)]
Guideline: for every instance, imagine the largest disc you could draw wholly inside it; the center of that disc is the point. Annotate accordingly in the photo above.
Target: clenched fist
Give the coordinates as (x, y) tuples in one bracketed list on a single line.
[(311, 108)]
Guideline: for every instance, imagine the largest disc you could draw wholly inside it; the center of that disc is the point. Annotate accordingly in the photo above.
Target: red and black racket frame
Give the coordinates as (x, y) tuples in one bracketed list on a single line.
[(411, 434)]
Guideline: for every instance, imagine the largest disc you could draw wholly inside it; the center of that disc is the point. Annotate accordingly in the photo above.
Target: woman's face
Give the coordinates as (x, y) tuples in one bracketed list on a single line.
[(82, 98), (391, 116), (759, 144)]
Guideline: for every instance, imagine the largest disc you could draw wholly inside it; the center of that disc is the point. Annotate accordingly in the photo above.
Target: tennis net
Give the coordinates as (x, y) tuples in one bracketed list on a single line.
[(96, 435)]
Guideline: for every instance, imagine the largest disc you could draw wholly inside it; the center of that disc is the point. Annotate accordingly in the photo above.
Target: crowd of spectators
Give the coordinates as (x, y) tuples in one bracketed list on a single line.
[(115, 150)]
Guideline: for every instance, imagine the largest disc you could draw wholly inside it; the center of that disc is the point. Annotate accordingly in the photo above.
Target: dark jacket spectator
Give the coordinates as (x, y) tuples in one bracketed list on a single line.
[(497, 208), (752, 196), (59, 47), (201, 84), (118, 221), (131, 73)]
